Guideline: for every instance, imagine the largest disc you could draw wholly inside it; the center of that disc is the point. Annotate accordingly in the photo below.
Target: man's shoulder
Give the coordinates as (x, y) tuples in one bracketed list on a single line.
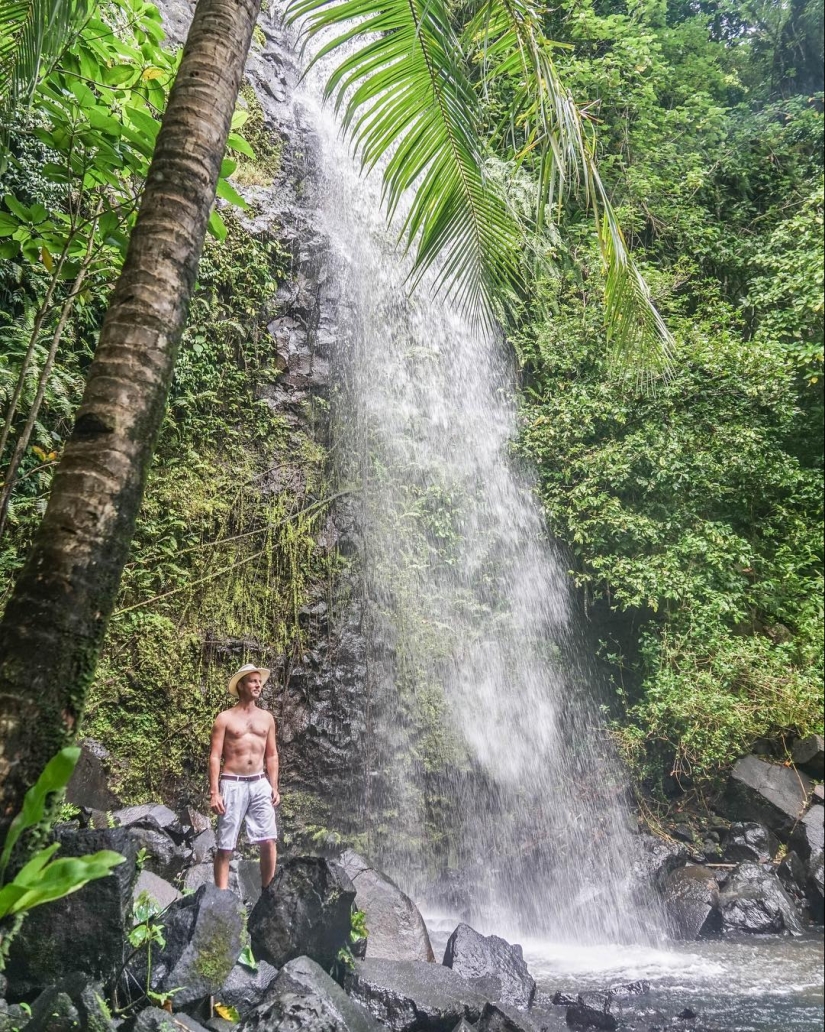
[(224, 716)]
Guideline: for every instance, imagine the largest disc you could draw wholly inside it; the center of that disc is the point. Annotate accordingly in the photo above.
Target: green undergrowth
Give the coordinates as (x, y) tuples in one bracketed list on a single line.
[(222, 559), (692, 508)]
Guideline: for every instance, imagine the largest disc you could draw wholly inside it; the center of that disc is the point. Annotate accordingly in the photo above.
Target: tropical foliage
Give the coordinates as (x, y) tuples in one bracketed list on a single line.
[(43, 878), (693, 512)]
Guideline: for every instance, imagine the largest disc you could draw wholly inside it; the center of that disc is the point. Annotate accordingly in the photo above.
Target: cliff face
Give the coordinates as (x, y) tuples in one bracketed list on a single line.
[(291, 604)]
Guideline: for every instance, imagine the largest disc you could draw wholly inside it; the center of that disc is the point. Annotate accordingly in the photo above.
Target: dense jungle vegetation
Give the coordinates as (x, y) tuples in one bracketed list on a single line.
[(693, 508), (692, 505)]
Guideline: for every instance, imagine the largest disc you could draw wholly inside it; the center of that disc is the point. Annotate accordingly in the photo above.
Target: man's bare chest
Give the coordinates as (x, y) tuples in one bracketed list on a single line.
[(238, 730)]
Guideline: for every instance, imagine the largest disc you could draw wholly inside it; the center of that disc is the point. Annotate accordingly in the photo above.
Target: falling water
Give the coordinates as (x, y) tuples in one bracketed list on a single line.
[(485, 750)]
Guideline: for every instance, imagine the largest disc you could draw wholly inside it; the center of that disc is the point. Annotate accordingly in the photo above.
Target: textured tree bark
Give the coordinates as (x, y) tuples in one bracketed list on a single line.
[(54, 623)]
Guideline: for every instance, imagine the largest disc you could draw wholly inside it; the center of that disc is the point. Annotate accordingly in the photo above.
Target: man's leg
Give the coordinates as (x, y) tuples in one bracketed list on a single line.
[(222, 859), (269, 857)]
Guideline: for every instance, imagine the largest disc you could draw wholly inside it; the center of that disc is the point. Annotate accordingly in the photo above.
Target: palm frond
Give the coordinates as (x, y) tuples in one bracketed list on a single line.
[(405, 97), (544, 121), (33, 35)]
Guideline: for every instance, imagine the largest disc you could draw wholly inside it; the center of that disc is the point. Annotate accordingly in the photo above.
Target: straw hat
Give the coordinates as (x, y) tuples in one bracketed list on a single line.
[(247, 668)]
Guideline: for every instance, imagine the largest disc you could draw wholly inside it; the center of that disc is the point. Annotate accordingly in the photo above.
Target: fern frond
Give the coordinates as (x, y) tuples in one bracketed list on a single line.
[(33, 35)]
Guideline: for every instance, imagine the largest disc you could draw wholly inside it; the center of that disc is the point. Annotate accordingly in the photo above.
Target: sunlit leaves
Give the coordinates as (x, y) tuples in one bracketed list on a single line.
[(44, 879)]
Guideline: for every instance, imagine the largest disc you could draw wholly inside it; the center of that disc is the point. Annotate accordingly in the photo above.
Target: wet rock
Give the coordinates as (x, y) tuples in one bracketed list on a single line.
[(153, 1019), (499, 1017), (12, 1017), (147, 815), (794, 875), (197, 821), (53, 1011), (76, 1002), (245, 988), (582, 1016), (818, 795), (203, 846), (86, 930), (766, 793), (814, 885), (396, 930), (750, 842), (657, 859), (628, 990), (204, 933), (89, 784), (412, 996), (472, 955), (305, 911), (304, 997), (808, 836), (809, 754), (164, 857), (465, 1026), (753, 901), (249, 881), (158, 889), (692, 902)]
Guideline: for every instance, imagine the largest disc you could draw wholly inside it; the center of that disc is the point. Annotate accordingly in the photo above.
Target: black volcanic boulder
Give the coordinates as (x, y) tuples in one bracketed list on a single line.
[(656, 859), (808, 836), (245, 988), (692, 902), (472, 955), (814, 885), (412, 996), (89, 783), (499, 1017), (85, 931), (809, 754), (748, 841), (753, 901), (305, 911), (205, 933), (396, 930), (304, 997), (164, 857), (794, 876), (77, 1002), (766, 793), (580, 1015)]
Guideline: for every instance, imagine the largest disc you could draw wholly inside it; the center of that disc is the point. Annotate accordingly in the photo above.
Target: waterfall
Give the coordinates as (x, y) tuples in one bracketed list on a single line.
[(486, 752)]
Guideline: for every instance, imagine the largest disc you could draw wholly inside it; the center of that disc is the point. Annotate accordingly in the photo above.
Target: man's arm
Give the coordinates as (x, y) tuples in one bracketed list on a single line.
[(215, 757), (271, 762)]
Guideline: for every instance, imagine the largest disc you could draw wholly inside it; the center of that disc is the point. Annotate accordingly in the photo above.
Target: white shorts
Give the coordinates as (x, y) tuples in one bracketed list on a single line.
[(250, 802)]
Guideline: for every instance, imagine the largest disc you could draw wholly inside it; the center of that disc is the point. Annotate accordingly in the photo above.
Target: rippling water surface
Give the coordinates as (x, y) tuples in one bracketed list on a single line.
[(764, 984)]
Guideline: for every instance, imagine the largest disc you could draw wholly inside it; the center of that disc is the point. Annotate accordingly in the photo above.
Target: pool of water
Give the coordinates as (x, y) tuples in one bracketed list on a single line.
[(765, 984)]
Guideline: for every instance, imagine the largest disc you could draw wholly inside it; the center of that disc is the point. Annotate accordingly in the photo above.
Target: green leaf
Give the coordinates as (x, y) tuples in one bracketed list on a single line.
[(247, 958), (239, 144), (227, 192), (33, 35), (54, 778), (8, 224), (405, 94), (217, 227)]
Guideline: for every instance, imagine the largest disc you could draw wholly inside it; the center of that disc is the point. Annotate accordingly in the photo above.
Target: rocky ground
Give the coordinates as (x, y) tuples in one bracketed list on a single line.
[(156, 945)]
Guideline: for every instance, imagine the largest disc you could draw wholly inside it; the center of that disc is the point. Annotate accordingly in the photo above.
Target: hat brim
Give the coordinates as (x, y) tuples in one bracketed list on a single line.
[(233, 684)]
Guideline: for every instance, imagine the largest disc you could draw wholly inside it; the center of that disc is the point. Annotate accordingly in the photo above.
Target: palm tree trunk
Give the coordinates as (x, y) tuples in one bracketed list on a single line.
[(54, 623)]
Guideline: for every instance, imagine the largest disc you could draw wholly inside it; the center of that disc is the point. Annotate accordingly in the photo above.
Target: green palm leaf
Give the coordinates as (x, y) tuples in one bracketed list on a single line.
[(33, 35), (544, 121), (404, 94)]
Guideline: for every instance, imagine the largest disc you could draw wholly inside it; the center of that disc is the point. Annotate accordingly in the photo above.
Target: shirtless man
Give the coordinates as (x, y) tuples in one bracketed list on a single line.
[(247, 788)]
